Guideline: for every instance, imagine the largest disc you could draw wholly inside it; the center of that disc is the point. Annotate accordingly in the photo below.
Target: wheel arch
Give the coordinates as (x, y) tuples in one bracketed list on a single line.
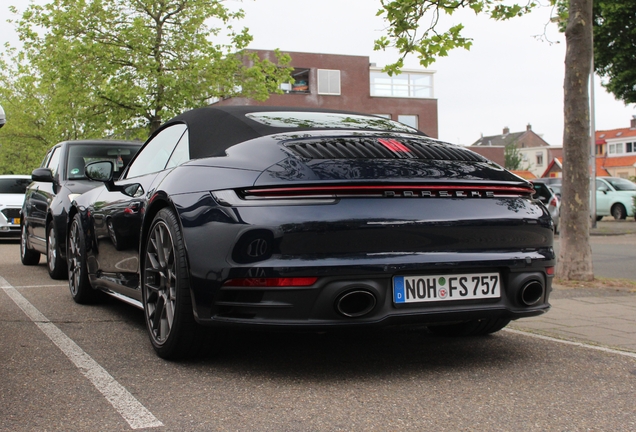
[(63, 221), (160, 200)]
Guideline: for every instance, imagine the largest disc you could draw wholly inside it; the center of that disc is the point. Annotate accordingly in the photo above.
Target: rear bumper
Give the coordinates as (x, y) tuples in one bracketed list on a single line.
[(317, 307)]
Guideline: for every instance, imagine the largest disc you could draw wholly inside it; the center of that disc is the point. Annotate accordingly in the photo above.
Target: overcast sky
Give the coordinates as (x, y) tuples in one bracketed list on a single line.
[(507, 79)]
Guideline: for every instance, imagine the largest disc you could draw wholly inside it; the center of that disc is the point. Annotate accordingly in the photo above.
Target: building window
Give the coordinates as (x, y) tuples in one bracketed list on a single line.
[(328, 82), (417, 85), (630, 147), (539, 159), (409, 120), (300, 83), (615, 148)]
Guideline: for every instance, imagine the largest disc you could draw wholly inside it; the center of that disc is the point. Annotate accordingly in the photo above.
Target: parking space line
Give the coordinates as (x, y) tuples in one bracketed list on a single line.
[(137, 416), (569, 342)]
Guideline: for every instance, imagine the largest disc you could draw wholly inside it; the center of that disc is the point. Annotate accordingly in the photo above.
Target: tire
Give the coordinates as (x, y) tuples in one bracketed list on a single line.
[(619, 212), (170, 322), (55, 264), (598, 218), (27, 256), (78, 281), (470, 328)]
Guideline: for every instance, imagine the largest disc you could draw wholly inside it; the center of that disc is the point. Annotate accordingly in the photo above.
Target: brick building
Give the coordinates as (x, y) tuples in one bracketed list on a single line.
[(351, 83), (616, 151), (535, 152)]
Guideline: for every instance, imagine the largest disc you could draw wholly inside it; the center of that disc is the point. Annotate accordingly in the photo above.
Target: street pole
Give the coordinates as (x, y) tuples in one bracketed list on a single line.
[(592, 144)]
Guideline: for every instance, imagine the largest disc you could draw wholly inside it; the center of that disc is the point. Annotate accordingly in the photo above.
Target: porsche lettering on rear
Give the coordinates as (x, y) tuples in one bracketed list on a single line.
[(440, 194)]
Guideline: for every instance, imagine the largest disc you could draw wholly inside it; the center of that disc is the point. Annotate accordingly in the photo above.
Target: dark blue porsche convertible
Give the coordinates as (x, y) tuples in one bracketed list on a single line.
[(307, 219)]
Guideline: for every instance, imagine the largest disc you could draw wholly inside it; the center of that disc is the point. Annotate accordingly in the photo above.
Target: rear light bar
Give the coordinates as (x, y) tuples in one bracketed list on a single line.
[(313, 195), (441, 191), (271, 282)]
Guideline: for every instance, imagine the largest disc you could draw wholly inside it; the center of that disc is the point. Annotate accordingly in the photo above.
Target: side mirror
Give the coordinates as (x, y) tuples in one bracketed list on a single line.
[(44, 175), (103, 171)]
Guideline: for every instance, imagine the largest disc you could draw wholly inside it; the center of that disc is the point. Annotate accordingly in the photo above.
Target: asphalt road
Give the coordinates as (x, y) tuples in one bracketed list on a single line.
[(613, 256), (66, 367)]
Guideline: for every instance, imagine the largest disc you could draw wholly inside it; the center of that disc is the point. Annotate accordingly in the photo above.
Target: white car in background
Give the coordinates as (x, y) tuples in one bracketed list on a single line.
[(614, 196), (12, 188)]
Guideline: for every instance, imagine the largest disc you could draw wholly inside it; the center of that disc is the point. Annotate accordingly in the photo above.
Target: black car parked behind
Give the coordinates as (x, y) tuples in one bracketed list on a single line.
[(59, 179)]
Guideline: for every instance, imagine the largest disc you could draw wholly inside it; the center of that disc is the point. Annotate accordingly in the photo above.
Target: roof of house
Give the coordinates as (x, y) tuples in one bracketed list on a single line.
[(498, 140), (603, 135), (555, 161), (613, 162), (529, 137), (525, 174)]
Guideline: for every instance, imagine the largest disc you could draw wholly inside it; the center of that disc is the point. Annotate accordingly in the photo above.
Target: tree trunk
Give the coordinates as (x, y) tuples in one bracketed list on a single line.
[(575, 256)]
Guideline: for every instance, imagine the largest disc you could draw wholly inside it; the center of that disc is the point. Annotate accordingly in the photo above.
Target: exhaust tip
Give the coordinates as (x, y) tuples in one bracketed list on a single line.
[(532, 293), (355, 304)]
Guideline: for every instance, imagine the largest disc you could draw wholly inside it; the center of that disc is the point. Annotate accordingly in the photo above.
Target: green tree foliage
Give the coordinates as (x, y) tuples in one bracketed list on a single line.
[(512, 157), (428, 41), (95, 68), (413, 28), (614, 47)]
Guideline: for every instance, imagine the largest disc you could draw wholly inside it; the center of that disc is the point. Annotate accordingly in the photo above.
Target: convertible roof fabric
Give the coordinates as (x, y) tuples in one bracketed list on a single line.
[(212, 130)]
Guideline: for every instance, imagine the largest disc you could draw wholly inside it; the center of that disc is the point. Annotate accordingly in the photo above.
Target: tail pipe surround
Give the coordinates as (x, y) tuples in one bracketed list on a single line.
[(532, 292), (356, 303)]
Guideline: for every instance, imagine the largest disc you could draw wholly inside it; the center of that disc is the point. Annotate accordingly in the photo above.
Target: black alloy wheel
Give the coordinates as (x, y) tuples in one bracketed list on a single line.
[(470, 328), (173, 331), (27, 256), (78, 282), (618, 211), (55, 264)]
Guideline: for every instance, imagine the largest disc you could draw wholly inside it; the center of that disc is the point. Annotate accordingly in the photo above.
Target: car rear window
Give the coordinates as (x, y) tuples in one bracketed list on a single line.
[(301, 120), (542, 192), (14, 186)]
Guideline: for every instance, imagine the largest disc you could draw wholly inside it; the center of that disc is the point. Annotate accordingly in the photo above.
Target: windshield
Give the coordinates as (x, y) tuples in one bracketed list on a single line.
[(621, 184), (81, 154), (14, 186)]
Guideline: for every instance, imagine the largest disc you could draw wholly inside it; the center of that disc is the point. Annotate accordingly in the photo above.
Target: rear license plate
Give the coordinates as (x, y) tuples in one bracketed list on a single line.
[(433, 288)]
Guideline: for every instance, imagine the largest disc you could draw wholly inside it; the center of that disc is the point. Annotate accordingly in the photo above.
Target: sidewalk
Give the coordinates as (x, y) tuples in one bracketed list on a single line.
[(599, 316), (609, 226)]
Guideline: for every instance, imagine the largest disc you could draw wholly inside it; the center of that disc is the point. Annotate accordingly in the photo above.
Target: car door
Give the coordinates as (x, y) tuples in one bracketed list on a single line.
[(603, 197), (38, 197), (118, 214)]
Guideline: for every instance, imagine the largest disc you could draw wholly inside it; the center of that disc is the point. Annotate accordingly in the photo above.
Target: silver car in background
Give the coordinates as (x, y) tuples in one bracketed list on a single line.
[(544, 193), (12, 188)]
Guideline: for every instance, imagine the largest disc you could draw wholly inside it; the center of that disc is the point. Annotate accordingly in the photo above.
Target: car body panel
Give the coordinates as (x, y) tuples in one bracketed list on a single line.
[(609, 194), (253, 205), (48, 202), (550, 199), (12, 188)]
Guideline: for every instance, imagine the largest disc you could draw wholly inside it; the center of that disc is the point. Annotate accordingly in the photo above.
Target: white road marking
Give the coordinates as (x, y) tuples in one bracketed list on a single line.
[(137, 416), (569, 342)]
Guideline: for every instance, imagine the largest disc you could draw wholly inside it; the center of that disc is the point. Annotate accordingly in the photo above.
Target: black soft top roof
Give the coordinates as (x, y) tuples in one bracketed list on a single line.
[(214, 129)]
